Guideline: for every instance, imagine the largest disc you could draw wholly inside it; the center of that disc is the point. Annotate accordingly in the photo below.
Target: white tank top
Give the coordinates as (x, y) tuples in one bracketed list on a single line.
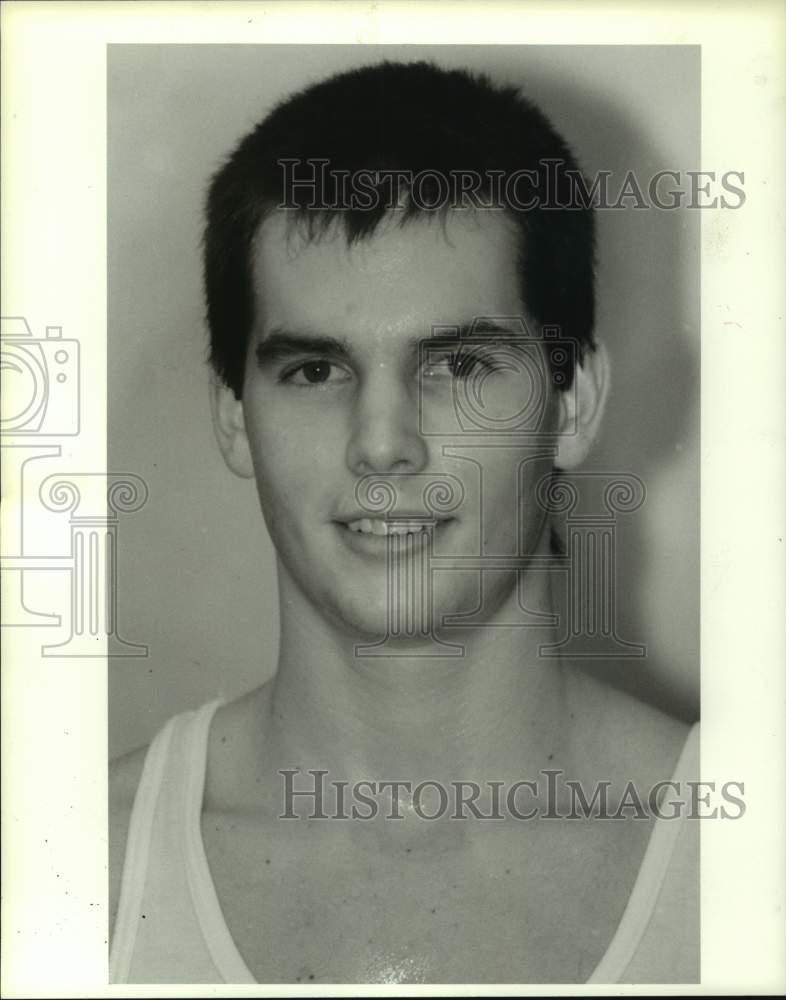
[(170, 928)]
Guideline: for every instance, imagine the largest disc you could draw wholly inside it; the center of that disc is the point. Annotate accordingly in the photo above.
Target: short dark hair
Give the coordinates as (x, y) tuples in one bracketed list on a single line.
[(410, 118)]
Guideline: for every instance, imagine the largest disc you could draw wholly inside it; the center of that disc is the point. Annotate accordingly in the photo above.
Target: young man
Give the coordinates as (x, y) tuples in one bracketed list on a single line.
[(399, 274)]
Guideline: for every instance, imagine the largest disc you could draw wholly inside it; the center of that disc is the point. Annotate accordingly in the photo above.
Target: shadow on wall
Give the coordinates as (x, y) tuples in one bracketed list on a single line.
[(649, 318)]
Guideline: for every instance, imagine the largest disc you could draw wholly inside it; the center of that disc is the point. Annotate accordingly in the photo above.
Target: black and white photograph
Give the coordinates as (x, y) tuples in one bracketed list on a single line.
[(433, 281), (394, 572)]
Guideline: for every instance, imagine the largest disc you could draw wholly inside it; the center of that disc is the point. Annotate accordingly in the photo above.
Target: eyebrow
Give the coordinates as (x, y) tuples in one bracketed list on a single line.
[(282, 343)]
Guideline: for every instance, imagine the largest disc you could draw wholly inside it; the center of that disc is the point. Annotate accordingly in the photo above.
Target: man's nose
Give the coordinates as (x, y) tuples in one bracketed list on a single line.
[(385, 435)]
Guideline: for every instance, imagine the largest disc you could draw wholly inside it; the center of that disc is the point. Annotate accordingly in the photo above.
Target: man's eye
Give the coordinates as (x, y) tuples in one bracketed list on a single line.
[(318, 371), (458, 364)]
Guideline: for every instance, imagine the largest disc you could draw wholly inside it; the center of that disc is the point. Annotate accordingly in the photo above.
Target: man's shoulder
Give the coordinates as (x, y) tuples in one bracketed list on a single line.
[(233, 742), (628, 738)]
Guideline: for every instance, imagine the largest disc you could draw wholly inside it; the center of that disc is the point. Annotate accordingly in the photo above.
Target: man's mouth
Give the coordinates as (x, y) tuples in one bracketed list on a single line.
[(374, 526), (402, 533)]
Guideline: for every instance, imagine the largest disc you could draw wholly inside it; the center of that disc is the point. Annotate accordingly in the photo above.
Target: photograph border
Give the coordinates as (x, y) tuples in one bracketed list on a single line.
[(54, 258)]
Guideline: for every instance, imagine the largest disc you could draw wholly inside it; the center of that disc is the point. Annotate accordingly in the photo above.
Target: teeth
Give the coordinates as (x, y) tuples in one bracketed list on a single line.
[(367, 526)]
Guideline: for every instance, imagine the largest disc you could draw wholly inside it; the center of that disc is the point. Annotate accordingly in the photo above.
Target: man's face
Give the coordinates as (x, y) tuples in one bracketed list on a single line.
[(338, 388)]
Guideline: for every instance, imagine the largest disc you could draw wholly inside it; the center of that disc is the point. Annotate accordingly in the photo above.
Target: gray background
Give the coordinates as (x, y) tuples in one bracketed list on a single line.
[(195, 566)]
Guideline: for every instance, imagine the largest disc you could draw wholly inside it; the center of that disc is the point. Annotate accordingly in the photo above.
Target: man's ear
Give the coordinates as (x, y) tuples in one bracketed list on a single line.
[(581, 408), (230, 428)]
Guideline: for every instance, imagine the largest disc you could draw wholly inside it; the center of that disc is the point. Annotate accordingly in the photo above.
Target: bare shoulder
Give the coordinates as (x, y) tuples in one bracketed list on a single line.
[(231, 778), (124, 775), (626, 738)]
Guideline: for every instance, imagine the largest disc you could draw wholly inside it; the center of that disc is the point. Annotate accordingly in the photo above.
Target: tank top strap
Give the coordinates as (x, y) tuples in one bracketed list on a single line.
[(156, 908), (652, 872)]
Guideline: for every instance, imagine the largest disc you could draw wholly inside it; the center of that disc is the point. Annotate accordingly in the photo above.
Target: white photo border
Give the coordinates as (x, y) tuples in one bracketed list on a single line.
[(54, 260)]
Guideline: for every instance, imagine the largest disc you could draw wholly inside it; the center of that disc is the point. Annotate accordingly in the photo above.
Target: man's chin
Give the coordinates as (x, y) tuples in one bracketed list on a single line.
[(404, 628), (369, 624)]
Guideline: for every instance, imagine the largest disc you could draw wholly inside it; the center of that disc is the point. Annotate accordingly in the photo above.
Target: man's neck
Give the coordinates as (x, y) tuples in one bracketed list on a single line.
[(497, 711)]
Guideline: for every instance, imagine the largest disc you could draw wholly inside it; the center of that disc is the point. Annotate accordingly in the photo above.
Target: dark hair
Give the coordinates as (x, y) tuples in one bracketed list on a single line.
[(408, 117)]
